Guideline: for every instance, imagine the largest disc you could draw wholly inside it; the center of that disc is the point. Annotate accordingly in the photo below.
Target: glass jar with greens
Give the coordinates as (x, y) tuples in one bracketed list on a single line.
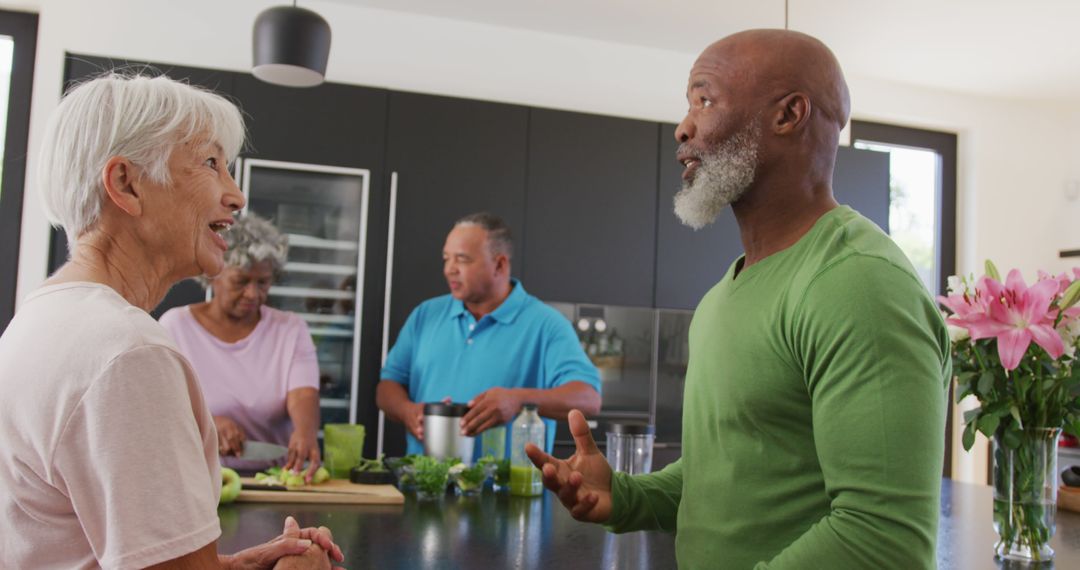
[(431, 477)]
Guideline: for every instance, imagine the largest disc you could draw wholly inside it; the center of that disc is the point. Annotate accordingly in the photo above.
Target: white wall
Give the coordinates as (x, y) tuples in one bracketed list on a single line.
[(1014, 157)]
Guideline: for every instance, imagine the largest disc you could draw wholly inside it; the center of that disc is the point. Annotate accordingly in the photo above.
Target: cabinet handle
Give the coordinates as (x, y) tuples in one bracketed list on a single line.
[(390, 229)]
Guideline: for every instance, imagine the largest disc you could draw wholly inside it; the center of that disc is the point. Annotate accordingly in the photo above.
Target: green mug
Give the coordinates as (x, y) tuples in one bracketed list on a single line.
[(343, 446)]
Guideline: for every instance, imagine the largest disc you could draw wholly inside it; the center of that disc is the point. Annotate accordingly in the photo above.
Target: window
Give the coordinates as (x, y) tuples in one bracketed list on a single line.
[(18, 40)]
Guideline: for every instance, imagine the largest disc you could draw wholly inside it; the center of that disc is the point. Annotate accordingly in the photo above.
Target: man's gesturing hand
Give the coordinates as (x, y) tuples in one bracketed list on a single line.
[(583, 482)]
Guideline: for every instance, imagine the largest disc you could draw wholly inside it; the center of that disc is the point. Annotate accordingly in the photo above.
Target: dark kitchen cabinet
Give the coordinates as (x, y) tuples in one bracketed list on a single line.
[(689, 263), (861, 180), (452, 157), (590, 226), (84, 67), (331, 124)]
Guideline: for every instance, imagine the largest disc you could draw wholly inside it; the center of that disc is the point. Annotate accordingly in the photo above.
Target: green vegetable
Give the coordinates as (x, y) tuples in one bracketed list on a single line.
[(471, 477), (430, 475), (372, 465)]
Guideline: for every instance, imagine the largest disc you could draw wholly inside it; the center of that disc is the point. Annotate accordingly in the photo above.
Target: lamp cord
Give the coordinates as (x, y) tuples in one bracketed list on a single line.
[(785, 14)]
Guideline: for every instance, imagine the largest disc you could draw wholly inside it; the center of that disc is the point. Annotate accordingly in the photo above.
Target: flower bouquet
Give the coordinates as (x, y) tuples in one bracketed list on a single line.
[(1014, 349)]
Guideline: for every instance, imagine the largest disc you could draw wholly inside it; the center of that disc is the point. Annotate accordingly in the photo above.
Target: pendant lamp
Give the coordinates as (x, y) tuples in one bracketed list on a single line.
[(291, 46)]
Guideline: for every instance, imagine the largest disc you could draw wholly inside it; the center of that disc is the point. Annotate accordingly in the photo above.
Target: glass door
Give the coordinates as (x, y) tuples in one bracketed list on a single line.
[(324, 212)]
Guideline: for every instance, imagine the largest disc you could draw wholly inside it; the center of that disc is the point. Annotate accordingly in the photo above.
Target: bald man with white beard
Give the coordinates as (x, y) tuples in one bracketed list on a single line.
[(814, 406)]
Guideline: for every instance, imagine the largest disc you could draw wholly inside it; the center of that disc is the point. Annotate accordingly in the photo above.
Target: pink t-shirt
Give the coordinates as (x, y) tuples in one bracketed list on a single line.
[(248, 380), (108, 454)]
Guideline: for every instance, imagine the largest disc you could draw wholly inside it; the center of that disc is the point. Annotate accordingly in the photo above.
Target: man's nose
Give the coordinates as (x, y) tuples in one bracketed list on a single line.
[(685, 130)]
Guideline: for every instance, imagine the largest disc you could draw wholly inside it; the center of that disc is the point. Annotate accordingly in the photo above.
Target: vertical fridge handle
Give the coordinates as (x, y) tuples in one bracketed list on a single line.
[(390, 229)]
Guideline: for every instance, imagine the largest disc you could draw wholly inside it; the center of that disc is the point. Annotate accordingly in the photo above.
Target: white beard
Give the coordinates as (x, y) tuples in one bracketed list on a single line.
[(721, 179)]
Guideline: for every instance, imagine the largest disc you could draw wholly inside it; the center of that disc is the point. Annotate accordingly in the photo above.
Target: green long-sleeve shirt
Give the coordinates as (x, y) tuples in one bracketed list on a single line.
[(814, 413)]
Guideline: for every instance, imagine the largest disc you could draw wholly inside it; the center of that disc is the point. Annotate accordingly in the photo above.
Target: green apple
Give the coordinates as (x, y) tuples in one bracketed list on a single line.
[(230, 485), (321, 476)]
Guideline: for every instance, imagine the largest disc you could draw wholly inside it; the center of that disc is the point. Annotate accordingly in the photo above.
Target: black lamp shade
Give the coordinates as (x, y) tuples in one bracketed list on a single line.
[(291, 46)]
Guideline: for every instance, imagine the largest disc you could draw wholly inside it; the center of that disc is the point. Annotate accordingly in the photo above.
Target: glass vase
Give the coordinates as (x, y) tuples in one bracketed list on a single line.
[(1025, 495)]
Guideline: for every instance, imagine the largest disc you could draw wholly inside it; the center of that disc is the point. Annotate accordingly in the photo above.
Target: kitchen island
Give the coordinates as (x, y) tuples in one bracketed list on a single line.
[(499, 531)]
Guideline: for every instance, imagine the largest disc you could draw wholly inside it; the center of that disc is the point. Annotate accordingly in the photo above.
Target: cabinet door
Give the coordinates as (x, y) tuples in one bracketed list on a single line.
[(453, 157), (688, 262), (861, 180), (331, 124), (83, 67), (590, 233)]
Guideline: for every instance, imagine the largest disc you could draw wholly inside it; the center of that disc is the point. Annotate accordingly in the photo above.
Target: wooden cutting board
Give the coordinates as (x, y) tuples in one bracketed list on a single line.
[(1069, 498), (334, 491)]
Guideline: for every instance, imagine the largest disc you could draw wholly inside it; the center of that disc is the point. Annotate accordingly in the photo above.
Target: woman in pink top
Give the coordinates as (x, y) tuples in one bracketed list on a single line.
[(256, 364)]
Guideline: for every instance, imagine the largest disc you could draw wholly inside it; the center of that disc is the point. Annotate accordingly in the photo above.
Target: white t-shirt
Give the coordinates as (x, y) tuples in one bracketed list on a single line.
[(108, 453)]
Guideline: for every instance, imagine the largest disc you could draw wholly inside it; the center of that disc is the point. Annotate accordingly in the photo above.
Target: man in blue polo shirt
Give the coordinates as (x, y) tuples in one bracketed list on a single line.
[(488, 343)]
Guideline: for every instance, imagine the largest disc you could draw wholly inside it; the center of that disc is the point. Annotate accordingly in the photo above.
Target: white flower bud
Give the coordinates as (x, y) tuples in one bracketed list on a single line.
[(957, 334)]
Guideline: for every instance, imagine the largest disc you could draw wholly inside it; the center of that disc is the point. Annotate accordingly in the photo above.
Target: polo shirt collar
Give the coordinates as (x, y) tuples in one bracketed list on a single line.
[(504, 313)]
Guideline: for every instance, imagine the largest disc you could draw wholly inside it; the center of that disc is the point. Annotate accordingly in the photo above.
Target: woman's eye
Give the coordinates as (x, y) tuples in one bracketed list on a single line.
[(211, 162)]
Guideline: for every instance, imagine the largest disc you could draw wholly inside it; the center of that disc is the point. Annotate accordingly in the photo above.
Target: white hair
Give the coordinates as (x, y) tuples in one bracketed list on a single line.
[(253, 239), (138, 117)]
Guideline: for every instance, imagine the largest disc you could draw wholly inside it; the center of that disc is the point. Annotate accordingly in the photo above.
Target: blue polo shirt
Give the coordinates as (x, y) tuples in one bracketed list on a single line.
[(443, 351)]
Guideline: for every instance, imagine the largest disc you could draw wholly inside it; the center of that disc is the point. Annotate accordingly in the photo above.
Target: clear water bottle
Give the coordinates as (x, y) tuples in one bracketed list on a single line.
[(524, 476)]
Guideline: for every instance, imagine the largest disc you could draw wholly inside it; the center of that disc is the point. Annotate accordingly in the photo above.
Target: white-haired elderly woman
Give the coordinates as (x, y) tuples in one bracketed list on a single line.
[(108, 453), (256, 364)]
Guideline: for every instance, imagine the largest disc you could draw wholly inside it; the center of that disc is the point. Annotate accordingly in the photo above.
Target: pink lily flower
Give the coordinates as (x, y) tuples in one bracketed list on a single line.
[(1017, 314), (965, 306), (1063, 280)]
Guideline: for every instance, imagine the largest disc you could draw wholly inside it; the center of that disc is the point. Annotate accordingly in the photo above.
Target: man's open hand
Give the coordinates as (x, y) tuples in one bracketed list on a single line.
[(582, 482)]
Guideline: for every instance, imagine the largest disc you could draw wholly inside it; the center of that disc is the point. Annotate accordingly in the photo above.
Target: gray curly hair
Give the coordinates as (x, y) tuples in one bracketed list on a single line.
[(253, 239)]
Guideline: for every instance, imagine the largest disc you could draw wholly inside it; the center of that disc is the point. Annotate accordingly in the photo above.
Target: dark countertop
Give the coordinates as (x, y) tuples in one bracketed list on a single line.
[(498, 531)]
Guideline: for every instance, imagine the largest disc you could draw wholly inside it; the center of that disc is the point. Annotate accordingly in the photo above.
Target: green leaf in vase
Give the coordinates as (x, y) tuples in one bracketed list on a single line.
[(988, 424), (969, 436), (986, 383)]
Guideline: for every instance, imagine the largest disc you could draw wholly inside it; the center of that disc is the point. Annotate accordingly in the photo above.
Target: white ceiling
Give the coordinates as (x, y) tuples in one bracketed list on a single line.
[(1003, 48)]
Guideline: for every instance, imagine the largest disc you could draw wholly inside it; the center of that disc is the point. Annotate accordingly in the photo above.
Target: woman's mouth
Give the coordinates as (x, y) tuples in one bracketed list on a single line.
[(217, 229)]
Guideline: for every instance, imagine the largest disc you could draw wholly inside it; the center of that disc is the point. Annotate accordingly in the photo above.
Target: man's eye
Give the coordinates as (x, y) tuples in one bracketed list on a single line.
[(706, 102)]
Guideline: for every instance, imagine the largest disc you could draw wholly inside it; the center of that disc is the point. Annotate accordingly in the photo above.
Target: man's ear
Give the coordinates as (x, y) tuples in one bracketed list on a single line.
[(792, 113), (502, 263), (120, 178)]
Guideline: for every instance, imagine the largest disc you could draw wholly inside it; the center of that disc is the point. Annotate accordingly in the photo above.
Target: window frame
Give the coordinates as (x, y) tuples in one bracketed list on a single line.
[(22, 28)]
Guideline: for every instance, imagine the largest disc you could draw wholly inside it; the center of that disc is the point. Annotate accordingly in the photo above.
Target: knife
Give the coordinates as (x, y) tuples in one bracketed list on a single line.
[(311, 489), (262, 451)]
